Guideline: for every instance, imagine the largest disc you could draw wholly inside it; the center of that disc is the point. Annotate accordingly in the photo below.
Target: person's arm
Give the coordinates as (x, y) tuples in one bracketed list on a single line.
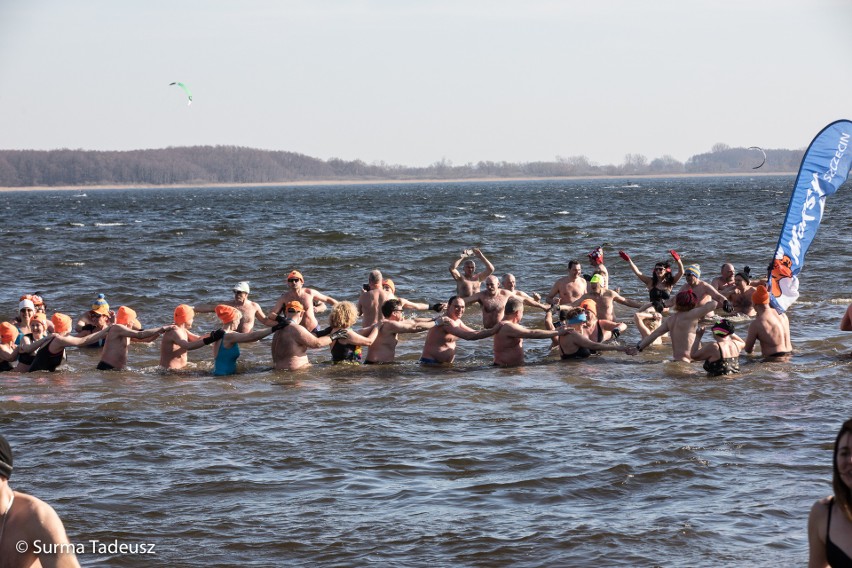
[(468, 334), (695, 351), (408, 304), (28, 346), (526, 299), (355, 338), (272, 319), (144, 335), (235, 337), (659, 332), (258, 314), (626, 301), (738, 341), (473, 298), (47, 528), (583, 341), (489, 268), (646, 280), (554, 292), (454, 268), (817, 525), (846, 322), (204, 308), (9, 356), (677, 276), (751, 338), (317, 296), (72, 341), (716, 295)]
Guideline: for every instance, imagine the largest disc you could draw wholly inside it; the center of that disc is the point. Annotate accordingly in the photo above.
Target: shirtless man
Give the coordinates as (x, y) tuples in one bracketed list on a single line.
[(740, 295), (31, 533), (290, 344), (298, 293), (604, 298), (725, 281), (493, 300), (681, 325), (383, 349), (509, 283), (178, 341), (703, 291), (768, 328), (440, 346), (568, 288), (509, 339), (96, 319), (370, 301), (114, 354), (251, 311), (470, 282)]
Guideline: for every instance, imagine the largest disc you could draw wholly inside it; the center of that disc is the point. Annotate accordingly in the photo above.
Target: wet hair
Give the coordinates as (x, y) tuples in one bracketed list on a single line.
[(390, 306), (343, 315), (667, 275), (513, 305), (842, 492)]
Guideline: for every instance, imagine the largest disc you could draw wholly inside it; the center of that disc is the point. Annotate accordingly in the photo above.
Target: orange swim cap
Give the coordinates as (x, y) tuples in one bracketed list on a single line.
[(389, 283), (125, 315), (589, 305), (227, 314), (295, 274), (760, 296), (183, 314), (294, 305), (61, 323), (8, 332), (40, 317)]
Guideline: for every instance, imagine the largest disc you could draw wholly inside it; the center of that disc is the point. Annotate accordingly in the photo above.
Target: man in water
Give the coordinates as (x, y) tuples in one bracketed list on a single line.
[(604, 298), (383, 349), (31, 533), (509, 283), (740, 295), (290, 344), (251, 311), (178, 341), (470, 282), (769, 328), (114, 354), (725, 281), (703, 291), (493, 300), (681, 325), (509, 339), (440, 346), (306, 296), (371, 300), (568, 288)]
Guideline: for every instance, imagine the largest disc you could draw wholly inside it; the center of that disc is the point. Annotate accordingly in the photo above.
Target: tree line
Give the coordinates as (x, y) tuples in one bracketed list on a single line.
[(233, 164)]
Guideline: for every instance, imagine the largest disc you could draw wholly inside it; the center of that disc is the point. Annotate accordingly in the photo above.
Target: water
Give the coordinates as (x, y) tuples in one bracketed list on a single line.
[(614, 460)]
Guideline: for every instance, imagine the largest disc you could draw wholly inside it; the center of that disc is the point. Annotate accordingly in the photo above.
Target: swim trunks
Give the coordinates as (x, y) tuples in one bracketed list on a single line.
[(429, 361), (781, 354), (104, 367)]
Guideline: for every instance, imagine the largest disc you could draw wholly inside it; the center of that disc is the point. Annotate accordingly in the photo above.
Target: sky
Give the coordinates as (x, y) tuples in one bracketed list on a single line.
[(416, 82)]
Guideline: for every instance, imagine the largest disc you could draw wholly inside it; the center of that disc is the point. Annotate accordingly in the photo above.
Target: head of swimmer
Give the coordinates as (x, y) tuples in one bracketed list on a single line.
[(509, 282), (455, 307), (842, 478), (392, 309), (575, 269), (492, 285), (469, 268)]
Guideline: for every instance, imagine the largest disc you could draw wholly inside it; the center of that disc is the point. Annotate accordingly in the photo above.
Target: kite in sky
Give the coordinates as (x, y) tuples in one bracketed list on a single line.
[(185, 90)]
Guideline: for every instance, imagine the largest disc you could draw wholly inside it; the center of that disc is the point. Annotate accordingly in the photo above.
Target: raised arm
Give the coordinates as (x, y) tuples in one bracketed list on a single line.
[(659, 332), (679, 262), (489, 268), (646, 280), (454, 267)]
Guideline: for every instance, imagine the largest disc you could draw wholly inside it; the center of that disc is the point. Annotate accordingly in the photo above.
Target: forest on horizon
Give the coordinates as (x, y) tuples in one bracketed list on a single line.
[(237, 165)]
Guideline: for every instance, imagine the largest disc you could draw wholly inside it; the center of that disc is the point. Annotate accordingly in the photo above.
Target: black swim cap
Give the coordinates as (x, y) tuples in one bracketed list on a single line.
[(5, 458)]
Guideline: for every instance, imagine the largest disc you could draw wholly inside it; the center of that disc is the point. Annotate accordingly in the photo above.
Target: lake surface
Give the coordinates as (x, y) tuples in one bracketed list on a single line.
[(614, 460)]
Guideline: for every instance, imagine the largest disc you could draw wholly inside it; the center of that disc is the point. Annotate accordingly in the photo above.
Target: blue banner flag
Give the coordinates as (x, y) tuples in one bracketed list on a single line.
[(824, 168)]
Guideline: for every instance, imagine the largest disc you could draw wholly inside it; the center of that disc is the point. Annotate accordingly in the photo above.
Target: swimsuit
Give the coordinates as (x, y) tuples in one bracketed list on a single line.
[(580, 353), (5, 366), (104, 367), (45, 360), (722, 366), (226, 360), (781, 354), (26, 358), (835, 556), (343, 352), (429, 361)]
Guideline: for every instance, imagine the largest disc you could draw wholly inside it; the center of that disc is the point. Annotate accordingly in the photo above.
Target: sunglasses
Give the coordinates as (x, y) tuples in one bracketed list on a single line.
[(292, 311), (293, 280)]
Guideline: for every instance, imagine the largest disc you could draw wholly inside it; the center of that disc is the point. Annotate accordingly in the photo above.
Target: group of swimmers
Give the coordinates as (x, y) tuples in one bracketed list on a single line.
[(579, 319)]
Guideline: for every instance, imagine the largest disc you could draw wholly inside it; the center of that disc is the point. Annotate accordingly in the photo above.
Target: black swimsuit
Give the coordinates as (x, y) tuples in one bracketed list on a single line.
[(723, 366), (45, 360), (580, 353), (835, 556), (27, 358)]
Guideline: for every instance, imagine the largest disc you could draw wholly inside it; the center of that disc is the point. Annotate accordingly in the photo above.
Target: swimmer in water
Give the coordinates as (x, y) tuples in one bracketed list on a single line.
[(723, 356), (469, 282)]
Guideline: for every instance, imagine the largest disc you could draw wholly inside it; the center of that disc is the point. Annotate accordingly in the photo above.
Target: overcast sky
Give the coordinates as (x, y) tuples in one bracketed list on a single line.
[(414, 82)]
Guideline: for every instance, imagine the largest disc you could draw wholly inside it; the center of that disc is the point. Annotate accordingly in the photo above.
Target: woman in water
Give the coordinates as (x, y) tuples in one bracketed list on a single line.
[(577, 345), (661, 281), (346, 343), (226, 350), (723, 357), (830, 521), (50, 355)]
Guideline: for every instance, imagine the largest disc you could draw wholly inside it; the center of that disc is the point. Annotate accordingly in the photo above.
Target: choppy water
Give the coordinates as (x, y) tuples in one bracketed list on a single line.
[(615, 460)]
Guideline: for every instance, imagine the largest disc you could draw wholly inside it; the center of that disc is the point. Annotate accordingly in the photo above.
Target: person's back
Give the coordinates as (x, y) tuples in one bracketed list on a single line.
[(370, 301), (768, 328)]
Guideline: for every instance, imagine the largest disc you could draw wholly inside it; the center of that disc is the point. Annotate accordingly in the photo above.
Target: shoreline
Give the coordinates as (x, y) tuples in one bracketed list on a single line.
[(384, 181)]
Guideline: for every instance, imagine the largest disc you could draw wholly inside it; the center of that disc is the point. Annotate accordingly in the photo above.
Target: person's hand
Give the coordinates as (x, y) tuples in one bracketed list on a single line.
[(624, 255), (214, 336), (565, 331), (339, 334), (438, 307), (728, 306), (699, 331), (282, 323), (477, 252), (536, 296), (674, 254)]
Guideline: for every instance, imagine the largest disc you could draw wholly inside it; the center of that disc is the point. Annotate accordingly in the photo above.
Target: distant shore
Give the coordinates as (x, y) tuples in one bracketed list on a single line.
[(384, 181)]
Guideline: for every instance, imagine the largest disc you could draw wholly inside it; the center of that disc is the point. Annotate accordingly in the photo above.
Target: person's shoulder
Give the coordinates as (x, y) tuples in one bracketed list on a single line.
[(819, 510)]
